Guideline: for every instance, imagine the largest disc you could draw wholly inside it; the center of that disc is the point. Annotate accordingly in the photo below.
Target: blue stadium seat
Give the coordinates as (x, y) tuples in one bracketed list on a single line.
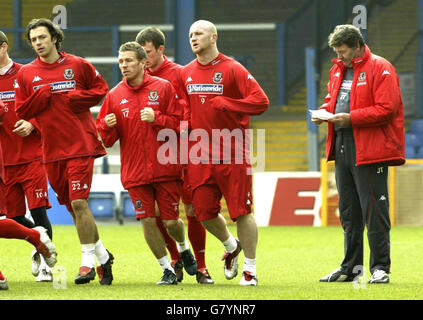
[(102, 205), (412, 140), (128, 210), (419, 153), (410, 152), (416, 126)]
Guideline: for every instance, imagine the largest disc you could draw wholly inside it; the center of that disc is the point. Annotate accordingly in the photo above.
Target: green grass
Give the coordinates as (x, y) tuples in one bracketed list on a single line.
[(290, 260)]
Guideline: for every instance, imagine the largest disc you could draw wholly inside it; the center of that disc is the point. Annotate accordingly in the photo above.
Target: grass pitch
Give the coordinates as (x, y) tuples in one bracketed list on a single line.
[(290, 261)]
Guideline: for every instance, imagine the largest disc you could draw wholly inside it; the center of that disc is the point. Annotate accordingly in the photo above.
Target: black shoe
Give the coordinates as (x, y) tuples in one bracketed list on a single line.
[(190, 264), (104, 271), (168, 278), (178, 266), (85, 275), (337, 276)]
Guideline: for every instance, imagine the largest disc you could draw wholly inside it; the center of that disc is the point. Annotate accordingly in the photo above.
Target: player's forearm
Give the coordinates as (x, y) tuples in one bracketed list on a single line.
[(109, 137), (83, 100), (29, 107), (166, 121), (250, 106)]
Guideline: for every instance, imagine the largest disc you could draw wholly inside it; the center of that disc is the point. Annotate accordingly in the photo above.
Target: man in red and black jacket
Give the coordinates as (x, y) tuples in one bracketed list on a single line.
[(365, 136), (58, 89)]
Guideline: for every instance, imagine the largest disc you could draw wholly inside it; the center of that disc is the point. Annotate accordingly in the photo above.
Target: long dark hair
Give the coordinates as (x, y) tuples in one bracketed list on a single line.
[(55, 31)]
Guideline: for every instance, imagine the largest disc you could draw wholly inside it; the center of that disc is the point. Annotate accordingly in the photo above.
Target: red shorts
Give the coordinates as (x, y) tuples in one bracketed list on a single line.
[(167, 194), (211, 182), (186, 194), (25, 181), (71, 179)]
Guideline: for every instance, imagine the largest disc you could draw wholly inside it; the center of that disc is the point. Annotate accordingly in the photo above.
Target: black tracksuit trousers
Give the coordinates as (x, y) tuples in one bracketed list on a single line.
[(363, 201)]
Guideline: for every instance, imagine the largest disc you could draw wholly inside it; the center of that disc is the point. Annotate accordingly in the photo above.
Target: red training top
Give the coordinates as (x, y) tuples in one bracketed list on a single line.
[(59, 96)]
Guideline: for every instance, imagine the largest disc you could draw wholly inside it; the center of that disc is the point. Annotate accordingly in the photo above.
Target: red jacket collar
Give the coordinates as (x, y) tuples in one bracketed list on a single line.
[(165, 64), (145, 81), (356, 61), (62, 57)]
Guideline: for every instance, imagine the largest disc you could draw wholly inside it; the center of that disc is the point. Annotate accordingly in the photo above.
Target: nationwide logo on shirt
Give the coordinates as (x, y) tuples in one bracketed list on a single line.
[(205, 88), (7, 95), (60, 86)]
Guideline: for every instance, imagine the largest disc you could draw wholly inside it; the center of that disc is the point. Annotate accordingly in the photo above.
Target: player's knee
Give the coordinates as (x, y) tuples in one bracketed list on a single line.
[(79, 206), (171, 224), (189, 210), (246, 219), (157, 211), (148, 222)]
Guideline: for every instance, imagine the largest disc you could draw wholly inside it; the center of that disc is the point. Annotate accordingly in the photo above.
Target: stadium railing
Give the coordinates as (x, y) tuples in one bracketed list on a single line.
[(116, 38)]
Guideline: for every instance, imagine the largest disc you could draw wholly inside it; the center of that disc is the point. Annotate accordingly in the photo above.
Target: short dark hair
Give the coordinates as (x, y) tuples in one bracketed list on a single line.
[(3, 38), (345, 34), (135, 47), (153, 35), (55, 31)]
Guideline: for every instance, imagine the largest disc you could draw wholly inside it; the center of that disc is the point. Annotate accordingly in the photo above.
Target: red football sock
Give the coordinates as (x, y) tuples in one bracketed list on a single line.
[(12, 230), (170, 243), (197, 237)]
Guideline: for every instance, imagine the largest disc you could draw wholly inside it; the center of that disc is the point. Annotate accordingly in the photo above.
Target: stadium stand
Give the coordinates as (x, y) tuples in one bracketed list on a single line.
[(414, 140), (126, 207), (392, 29), (103, 205)]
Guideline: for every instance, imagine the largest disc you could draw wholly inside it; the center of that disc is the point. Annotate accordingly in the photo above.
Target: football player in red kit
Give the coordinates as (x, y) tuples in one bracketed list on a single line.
[(58, 89), (222, 95), (134, 112), (37, 236), (24, 175), (152, 40)]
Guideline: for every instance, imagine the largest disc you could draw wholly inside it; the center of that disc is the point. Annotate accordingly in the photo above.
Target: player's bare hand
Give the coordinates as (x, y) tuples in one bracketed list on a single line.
[(147, 114), (110, 120), (316, 120), (341, 119), (23, 128)]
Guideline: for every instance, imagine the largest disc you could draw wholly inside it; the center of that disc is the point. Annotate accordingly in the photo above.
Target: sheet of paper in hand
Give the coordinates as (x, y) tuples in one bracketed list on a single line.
[(321, 114)]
